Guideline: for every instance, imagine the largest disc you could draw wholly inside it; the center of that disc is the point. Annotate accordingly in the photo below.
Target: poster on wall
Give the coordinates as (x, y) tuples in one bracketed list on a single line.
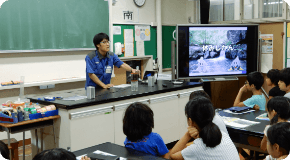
[(267, 43), (142, 32)]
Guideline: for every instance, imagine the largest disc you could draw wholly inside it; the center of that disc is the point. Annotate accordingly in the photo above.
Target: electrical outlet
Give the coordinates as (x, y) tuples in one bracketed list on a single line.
[(43, 87), (189, 19)]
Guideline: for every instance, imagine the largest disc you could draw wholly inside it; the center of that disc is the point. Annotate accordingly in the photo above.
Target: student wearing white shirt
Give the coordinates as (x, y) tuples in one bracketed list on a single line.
[(210, 142), (216, 119)]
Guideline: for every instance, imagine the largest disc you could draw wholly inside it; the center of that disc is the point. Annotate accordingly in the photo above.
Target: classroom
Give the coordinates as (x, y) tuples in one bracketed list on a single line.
[(71, 70)]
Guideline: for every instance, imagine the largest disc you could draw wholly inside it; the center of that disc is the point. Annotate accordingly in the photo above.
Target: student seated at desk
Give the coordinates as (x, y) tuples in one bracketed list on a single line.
[(4, 151), (210, 142), (278, 144), (272, 80), (137, 126), (56, 154), (284, 81), (254, 82), (216, 119), (278, 109)]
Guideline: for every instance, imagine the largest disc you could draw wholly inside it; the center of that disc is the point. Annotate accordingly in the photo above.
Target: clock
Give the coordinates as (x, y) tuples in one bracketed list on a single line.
[(139, 3)]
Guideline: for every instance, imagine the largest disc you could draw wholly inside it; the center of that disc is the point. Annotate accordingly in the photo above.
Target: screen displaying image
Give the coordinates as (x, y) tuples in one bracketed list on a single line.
[(217, 51)]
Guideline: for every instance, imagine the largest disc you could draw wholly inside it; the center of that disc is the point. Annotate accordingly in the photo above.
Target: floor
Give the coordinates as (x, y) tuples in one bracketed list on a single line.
[(28, 152)]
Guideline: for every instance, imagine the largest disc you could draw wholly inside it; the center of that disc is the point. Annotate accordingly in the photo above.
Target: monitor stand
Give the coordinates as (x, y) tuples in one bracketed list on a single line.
[(219, 79)]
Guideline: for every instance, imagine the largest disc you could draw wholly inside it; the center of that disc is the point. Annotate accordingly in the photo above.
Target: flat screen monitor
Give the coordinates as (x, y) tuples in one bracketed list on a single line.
[(209, 50)]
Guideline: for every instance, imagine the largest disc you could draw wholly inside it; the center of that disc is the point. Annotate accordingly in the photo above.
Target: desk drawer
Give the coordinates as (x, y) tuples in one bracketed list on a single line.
[(163, 98), (91, 112)]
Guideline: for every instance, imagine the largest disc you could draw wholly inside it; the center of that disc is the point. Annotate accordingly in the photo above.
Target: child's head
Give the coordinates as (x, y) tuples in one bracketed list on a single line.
[(278, 107), (273, 76), (200, 112), (55, 154), (4, 151), (138, 121), (255, 81), (278, 139), (284, 80), (199, 93)]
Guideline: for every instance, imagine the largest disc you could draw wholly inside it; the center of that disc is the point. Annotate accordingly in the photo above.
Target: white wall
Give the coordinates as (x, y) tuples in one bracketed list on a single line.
[(174, 12), (144, 14), (42, 66)]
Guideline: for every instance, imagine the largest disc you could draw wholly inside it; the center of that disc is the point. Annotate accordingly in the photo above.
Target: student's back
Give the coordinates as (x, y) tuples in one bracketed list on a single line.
[(137, 126), (226, 150), (210, 142), (216, 119), (152, 144)]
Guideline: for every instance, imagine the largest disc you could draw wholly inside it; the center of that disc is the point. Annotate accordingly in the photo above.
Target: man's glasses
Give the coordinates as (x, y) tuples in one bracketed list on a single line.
[(106, 42), (246, 82)]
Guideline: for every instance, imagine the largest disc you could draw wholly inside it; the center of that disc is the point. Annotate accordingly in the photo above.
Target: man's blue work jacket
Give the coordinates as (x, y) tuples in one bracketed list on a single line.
[(97, 64)]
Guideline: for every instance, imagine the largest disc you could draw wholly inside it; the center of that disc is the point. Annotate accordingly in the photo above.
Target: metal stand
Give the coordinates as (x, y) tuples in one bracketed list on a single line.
[(23, 156)]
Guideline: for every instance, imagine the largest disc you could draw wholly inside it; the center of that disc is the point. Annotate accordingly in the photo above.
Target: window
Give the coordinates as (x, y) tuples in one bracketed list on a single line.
[(272, 8), (251, 9), (224, 10)]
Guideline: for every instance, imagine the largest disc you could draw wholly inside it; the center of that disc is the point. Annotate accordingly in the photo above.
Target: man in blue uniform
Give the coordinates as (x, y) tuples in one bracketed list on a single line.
[(100, 63)]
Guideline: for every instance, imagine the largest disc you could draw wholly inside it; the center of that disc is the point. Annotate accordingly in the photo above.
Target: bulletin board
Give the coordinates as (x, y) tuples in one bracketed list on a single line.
[(276, 29)]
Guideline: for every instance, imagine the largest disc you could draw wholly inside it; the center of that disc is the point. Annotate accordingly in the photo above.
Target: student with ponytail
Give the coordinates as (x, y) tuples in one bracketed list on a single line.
[(278, 109), (210, 142)]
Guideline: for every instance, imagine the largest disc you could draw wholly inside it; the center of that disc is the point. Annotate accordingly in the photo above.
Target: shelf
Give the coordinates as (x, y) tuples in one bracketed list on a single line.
[(32, 84)]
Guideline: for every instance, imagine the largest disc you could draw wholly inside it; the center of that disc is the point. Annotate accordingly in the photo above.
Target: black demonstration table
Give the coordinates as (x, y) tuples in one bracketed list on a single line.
[(112, 94)]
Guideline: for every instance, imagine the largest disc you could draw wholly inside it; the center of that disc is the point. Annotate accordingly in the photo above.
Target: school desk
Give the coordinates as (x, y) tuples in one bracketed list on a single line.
[(27, 126), (249, 137), (119, 151)]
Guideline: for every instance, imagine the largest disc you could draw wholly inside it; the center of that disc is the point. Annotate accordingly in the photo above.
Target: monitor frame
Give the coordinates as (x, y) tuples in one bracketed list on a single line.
[(215, 25)]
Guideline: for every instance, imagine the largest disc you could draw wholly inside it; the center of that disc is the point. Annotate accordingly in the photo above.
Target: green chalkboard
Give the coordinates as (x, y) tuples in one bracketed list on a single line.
[(166, 45), (150, 47), (52, 24)]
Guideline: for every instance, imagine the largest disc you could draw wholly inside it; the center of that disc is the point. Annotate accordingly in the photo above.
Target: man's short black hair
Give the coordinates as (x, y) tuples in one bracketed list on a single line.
[(199, 93), (255, 78), (99, 37), (55, 154), (274, 76), (138, 121), (285, 76)]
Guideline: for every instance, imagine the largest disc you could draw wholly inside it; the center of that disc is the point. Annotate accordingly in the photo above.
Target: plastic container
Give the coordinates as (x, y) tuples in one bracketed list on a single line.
[(134, 81), (42, 115)]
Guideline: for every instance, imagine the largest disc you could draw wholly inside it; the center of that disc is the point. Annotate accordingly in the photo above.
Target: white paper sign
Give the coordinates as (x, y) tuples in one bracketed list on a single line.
[(117, 30), (128, 16), (129, 50), (267, 43), (266, 62), (140, 48), (118, 48), (128, 36), (142, 33)]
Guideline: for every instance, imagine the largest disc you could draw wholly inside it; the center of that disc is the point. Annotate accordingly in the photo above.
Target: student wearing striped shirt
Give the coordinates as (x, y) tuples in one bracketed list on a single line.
[(210, 142)]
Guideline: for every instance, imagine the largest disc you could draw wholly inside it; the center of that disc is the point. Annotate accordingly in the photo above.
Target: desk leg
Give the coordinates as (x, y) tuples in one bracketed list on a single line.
[(23, 145), (41, 132), (54, 135), (10, 152), (36, 140)]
